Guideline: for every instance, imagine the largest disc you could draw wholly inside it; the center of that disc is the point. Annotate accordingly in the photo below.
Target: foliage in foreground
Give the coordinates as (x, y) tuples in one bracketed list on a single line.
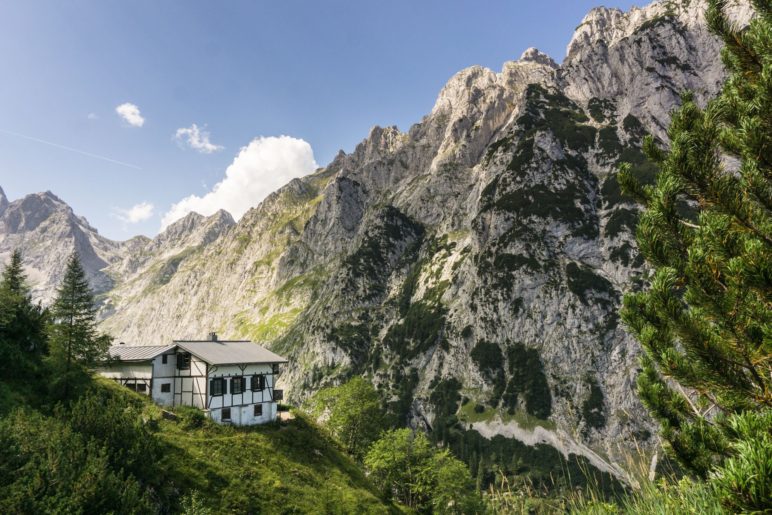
[(705, 322), (405, 465), (352, 413), (75, 344), (75, 444), (112, 451)]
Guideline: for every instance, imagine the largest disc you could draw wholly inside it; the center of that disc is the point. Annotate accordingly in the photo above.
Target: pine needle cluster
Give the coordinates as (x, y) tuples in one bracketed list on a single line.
[(705, 322)]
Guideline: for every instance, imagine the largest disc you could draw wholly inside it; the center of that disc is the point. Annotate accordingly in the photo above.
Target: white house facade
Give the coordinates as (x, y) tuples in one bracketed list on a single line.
[(232, 381)]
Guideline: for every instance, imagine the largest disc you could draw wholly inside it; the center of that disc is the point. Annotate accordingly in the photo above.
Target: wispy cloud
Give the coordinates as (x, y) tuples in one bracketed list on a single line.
[(135, 214), (130, 113), (263, 166), (92, 116), (197, 139), (70, 149)]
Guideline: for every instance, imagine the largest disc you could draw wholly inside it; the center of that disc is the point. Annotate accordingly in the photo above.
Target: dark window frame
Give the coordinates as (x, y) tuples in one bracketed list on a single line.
[(164, 359), (238, 385), (166, 387), (183, 360), (223, 387), (226, 414), (258, 410), (258, 382)]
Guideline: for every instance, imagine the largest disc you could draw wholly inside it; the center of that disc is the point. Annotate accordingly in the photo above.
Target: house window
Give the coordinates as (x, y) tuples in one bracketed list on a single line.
[(258, 410), (238, 384), (258, 382), (226, 413), (275, 368), (166, 387), (164, 359), (141, 387), (278, 395), (217, 386), (183, 360)]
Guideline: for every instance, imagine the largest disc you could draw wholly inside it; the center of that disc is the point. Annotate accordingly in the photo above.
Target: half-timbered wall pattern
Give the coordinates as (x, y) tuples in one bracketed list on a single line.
[(175, 377)]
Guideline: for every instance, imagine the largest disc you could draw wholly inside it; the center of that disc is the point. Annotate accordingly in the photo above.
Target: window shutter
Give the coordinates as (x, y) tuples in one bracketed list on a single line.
[(224, 386), (211, 387), (243, 383)]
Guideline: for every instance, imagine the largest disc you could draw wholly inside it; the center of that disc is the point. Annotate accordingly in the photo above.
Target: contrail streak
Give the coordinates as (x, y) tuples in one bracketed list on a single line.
[(64, 147)]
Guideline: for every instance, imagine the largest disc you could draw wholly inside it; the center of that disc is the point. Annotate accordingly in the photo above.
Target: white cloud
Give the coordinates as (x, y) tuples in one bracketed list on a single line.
[(135, 214), (130, 113), (92, 116), (260, 168), (197, 139)]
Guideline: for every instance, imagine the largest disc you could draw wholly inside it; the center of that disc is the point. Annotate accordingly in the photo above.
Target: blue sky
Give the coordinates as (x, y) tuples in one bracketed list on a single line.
[(320, 72)]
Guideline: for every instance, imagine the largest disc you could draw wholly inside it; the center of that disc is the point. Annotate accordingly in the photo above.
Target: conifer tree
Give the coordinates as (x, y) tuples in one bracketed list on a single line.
[(705, 322), (14, 279), (75, 343), (22, 323)]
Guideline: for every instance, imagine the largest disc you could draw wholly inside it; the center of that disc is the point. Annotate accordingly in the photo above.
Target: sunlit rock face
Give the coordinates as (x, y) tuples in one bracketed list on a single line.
[(489, 244)]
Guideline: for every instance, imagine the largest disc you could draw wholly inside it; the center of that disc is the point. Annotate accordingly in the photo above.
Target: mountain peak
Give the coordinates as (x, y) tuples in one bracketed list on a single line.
[(222, 216), (3, 201), (197, 226), (184, 224), (537, 56), (50, 194)]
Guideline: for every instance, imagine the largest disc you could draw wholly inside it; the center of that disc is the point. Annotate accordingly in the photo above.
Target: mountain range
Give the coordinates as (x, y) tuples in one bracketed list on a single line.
[(485, 251)]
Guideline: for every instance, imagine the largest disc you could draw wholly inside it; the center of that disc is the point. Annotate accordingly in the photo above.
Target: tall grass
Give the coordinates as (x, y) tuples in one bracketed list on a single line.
[(646, 494)]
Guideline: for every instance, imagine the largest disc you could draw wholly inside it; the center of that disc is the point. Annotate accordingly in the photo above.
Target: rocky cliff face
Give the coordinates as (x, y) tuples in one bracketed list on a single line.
[(480, 255), (47, 231)]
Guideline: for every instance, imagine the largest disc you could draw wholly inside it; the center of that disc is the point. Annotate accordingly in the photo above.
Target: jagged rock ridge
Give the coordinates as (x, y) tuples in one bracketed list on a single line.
[(45, 229), (483, 252)]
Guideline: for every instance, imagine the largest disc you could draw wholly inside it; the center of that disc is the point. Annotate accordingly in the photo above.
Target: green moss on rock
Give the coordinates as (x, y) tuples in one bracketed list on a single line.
[(593, 407), (490, 361), (621, 219), (585, 283), (601, 109), (527, 379)]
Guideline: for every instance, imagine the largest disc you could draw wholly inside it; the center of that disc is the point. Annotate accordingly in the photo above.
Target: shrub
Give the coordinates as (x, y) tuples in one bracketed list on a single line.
[(352, 412), (47, 467), (405, 466)]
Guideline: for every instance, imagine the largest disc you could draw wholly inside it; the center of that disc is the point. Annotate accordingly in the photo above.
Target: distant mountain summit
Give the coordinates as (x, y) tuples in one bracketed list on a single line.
[(3, 201), (481, 254), (47, 231)]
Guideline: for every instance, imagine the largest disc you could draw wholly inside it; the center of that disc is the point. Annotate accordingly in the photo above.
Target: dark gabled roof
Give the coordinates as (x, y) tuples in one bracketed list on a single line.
[(137, 352), (228, 352)]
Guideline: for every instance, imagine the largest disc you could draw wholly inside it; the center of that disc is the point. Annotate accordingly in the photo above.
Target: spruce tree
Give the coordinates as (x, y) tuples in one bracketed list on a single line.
[(14, 279), (22, 323), (75, 343), (705, 321)]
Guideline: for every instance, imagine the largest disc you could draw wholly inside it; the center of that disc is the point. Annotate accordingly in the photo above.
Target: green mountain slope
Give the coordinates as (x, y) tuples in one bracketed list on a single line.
[(166, 464)]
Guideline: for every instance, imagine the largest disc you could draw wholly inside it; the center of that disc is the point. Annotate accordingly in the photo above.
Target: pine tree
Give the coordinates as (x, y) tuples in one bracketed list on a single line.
[(14, 279), (75, 342), (705, 321), (22, 323)]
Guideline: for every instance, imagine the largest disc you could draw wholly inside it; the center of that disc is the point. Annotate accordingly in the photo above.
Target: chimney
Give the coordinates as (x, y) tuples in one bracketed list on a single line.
[(213, 337)]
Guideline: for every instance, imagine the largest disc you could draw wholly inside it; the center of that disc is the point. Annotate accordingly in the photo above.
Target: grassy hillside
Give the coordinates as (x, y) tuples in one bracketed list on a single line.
[(172, 465), (285, 467)]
